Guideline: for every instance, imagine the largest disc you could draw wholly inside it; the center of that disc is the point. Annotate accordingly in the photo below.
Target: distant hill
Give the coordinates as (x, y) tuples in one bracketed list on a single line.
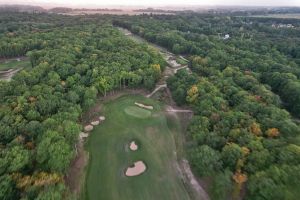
[(21, 8), (67, 10), (60, 10), (155, 10)]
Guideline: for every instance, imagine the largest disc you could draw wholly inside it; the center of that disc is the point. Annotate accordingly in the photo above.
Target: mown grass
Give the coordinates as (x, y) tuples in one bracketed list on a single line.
[(181, 61), (13, 64), (137, 112), (110, 155)]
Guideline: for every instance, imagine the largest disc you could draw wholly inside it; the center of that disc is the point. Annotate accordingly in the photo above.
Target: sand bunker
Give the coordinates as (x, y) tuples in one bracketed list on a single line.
[(88, 128), (138, 168), (133, 146), (83, 135), (101, 118), (144, 106), (95, 123)]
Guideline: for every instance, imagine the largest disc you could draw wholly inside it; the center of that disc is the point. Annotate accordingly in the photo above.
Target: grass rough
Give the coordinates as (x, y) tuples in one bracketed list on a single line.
[(109, 156)]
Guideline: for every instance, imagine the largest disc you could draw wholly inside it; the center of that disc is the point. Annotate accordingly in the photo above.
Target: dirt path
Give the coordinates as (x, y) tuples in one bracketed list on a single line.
[(157, 88), (183, 67), (8, 74), (184, 169), (171, 109), (185, 166), (75, 176)]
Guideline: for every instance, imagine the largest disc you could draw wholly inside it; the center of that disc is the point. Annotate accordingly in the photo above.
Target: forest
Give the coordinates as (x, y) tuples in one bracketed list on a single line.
[(73, 62), (244, 89), (245, 92)]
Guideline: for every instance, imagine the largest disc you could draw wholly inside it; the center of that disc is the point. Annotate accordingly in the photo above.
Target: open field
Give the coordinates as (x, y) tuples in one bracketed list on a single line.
[(283, 16), (110, 155), (13, 64), (9, 67)]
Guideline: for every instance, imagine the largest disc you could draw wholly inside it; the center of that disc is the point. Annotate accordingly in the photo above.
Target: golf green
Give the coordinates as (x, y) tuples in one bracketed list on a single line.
[(108, 147), (137, 112)]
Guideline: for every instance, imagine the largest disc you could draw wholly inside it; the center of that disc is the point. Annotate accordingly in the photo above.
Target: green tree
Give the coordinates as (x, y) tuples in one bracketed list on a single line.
[(53, 152), (18, 158), (231, 153), (221, 187), (7, 189), (206, 160)]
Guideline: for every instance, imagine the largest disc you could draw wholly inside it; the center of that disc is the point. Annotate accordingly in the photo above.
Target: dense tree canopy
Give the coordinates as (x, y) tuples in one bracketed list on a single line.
[(241, 90), (74, 61), (244, 90)]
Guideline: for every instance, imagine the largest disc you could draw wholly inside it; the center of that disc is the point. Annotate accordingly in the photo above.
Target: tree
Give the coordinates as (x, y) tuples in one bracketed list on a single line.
[(192, 94), (221, 185), (90, 96), (270, 190), (149, 82), (17, 158), (199, 126), (205, 160), (258, 160), (255, 129), (54, 192), (7, 190), (231, 153), (53, 152), (289, 154), (272, 132), (102, 85), (156, 71), (71, 131)]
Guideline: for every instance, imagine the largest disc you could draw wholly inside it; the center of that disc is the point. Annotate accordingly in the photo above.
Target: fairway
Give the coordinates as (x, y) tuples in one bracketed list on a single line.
[(110, 155), (13, 64)]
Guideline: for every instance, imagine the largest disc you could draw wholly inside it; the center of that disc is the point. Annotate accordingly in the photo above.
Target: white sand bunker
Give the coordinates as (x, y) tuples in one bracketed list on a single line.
[(144, 106), (138, 168), (95, 123), (133, 146), (88, 128)]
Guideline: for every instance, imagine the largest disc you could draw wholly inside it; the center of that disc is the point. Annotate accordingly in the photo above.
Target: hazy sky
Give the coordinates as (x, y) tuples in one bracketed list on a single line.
[(87, 3)]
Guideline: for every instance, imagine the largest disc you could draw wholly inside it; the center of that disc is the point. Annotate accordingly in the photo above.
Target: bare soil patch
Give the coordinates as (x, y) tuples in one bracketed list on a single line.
[(76, 174)]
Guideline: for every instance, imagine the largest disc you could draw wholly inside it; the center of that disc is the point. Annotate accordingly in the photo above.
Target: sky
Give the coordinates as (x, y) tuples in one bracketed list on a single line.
[(102, 3)]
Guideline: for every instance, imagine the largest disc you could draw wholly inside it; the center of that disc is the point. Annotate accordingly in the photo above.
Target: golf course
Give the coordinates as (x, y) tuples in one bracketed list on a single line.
[(110, 154), (13, 64)]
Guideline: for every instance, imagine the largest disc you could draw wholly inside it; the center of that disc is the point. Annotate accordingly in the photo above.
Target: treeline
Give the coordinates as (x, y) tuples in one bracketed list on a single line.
[(253, 45), (41, 107), (242, 138)]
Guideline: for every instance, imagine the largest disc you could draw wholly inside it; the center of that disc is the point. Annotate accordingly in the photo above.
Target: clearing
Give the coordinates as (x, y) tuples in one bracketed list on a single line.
[(9, 67), (109, 155), (14, 63)]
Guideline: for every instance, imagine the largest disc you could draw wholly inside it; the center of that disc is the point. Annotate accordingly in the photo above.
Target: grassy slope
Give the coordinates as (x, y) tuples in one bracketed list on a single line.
[(13, 64), (109, 157)]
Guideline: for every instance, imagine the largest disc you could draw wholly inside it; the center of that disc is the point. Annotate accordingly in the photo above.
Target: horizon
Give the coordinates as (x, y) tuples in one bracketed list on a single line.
[(154, 3)]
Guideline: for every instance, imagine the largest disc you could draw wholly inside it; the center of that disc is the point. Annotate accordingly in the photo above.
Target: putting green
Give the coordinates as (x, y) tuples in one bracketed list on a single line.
[(137, 112), (109, 155)]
